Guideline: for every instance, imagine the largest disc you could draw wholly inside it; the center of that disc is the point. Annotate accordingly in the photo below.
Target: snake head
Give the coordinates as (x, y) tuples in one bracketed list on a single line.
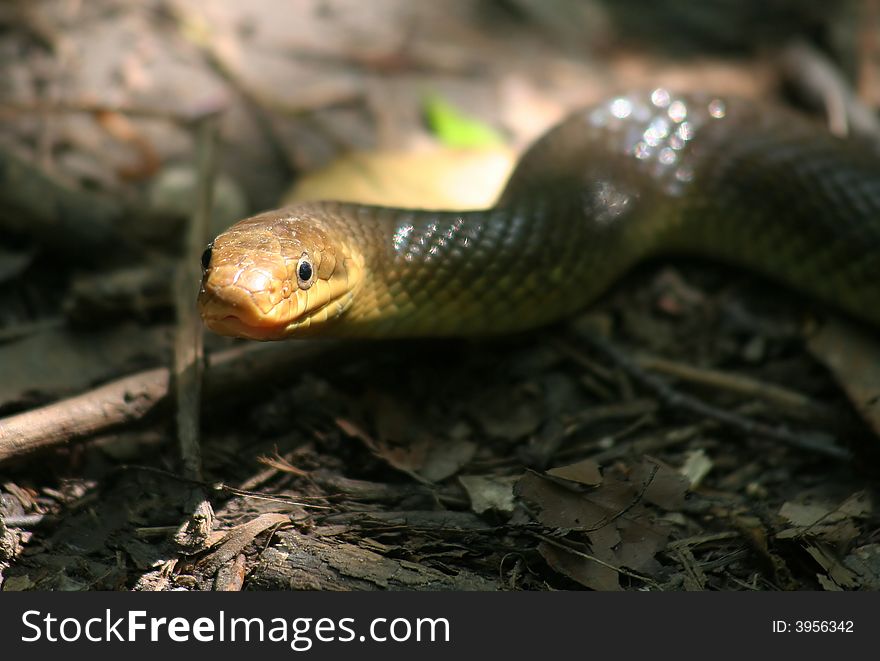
[(276, 275)]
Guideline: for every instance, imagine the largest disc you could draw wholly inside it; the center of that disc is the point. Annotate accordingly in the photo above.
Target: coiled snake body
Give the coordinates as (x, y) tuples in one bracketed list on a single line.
[(647, 173)]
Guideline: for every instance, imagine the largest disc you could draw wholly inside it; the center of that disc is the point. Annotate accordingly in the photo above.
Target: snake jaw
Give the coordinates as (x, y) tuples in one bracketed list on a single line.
[(232, 312)]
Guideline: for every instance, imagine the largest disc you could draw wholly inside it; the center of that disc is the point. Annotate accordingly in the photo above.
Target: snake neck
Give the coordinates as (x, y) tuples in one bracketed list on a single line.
[(482, 272)]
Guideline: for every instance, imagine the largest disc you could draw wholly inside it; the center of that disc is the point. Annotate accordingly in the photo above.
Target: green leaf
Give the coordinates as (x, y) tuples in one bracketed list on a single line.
[(455, 129)]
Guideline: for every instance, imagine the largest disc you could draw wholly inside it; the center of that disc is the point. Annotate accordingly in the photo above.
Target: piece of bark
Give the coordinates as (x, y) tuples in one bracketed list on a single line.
[(301, 562)]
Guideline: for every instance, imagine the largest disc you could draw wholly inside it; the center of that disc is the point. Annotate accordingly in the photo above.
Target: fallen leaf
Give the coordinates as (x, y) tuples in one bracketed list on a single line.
[(865, 561), (489, 492), (454, 128), (445, 458), (802, 515), (697, 466), (663, 485), (587, 572), (560, 507), (583, 472), (406, 458), (841, 575), (613, 516), (833, 523), (439, 178)]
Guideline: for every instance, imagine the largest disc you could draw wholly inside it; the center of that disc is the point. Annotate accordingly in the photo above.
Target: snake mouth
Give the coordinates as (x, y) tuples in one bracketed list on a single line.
[(231, 312), (221, 321), (234, 326)]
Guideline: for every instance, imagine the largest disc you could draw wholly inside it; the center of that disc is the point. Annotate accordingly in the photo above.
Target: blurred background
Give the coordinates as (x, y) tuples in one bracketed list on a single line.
[(98, 94)]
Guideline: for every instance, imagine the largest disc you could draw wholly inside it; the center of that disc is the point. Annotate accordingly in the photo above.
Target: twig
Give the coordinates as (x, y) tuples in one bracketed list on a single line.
[(189, 348), (24, 520), (867, 51), (133, 398), (678, 400), (819, 79), (189, 357), (609, 440), (795, 402), (708, 538), (116, 403), (652, 443), (691, 567)]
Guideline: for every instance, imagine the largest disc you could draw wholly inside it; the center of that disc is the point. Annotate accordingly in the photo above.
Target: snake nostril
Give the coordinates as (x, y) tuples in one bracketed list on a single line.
[(206, 256)]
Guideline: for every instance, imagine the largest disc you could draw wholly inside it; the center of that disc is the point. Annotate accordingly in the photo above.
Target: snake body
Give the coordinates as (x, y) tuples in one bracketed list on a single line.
[(639, 175)]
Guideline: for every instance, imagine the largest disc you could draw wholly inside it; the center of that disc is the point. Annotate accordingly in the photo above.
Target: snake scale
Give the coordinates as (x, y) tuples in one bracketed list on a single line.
[(639, 175)]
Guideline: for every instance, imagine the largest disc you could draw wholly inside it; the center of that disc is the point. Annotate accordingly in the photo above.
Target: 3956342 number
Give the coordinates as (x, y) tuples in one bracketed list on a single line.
[(823, 626)]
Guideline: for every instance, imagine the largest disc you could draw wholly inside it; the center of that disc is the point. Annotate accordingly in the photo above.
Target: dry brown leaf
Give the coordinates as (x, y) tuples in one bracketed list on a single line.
[(802, 515), (445, 458), (639, 545), (583, 472), (663, 485), (621, 529), (560, 507), (833, 523), (841, 575), (588, 573), (405, 458)]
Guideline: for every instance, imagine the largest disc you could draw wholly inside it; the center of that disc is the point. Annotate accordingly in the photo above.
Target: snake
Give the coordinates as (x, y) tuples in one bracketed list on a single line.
[(643, 174)]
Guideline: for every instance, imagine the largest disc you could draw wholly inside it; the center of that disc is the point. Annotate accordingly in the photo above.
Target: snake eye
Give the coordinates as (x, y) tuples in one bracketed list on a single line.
[(206, 256), (304, 272)]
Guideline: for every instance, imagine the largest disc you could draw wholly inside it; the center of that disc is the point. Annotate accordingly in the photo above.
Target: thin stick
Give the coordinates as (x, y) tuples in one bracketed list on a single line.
[(681, 401), (189, 356), (117, 403), (189, 345), (795, 402), (866, 48), (134, 397), (816, 76)]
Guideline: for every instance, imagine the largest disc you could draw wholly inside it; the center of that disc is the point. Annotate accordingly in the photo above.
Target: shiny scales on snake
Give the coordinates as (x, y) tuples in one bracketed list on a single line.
[(639, 175)]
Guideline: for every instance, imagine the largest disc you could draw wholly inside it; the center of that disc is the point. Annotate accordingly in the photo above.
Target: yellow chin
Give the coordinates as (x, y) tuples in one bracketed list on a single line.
[(232, 326)]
